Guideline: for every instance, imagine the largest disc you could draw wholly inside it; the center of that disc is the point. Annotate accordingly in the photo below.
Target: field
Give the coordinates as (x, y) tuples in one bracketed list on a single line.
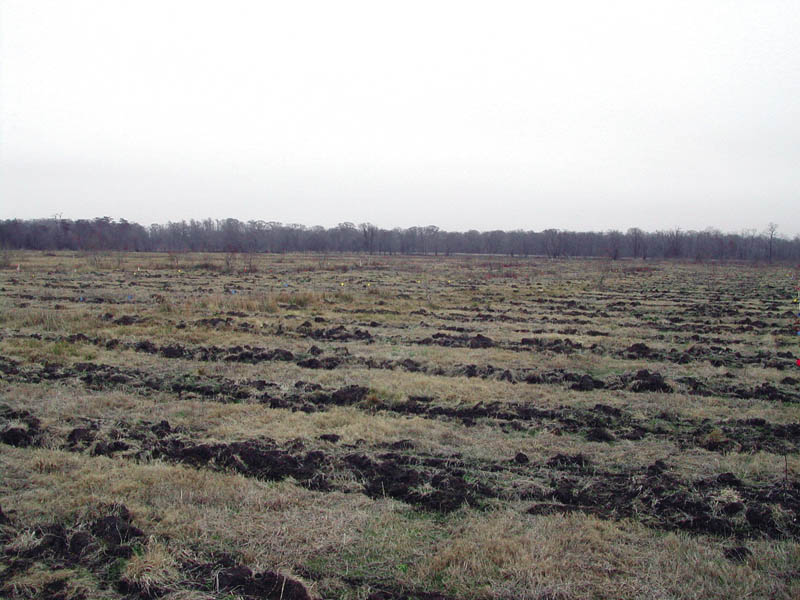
[(215, 426)]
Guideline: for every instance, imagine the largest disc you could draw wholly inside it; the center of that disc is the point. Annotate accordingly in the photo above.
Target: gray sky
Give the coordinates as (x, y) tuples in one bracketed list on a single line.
[(484, 115)]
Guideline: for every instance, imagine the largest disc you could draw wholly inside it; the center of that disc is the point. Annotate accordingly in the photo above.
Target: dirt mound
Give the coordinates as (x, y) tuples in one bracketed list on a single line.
[(127, 320), (660, 500), (329, 363), (173, 351), (146, 346), (241, 581), (260, 459), (116, 530), (339, 333), (441, 491), (558, 346), (587, 383), (600, 434), (352, 394), (214, 322), (646, 381), (481, 341), (458, 341), (18, 427), (80, 435), (102, 547), (638, 350)]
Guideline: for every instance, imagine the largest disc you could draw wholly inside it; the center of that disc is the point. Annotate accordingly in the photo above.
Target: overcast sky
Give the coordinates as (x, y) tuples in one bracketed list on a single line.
[(467, 115)]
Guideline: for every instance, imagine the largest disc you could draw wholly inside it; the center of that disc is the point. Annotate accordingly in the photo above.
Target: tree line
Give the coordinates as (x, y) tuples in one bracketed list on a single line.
[(232, 235)]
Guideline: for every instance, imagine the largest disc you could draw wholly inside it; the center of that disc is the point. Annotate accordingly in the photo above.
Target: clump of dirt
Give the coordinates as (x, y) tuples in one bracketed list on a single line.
[(444, 484), (638, 350), (96, 548), (214, 322), (329, 363), (439, 490), (18, 427), (558, 346), (146, 346), (458, 341), (173, 351), (80, 436), (551, 508), (481, 341), (100, 549), (647, 381), (660, 500), (600, 434), (127, 320), (116, 529), (349, 395), (261, 459), (339, 333), (242, 582), (587, 383), (767, 391)]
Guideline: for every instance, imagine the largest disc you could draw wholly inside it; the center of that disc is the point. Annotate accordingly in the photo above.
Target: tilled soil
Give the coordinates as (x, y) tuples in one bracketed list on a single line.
[(446, 483), (602, 423), (101, 548), (639, 381)]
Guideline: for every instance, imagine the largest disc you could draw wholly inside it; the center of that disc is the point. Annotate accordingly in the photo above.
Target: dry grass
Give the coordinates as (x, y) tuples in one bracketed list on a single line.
[(154, 569), (342, 543)]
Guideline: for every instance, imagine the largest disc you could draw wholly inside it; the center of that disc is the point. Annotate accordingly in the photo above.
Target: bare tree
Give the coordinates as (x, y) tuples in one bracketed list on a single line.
[(614, 239), (370, 233), (674, 243), (237, 238), (771, 229), (636, 236), (553, 243)]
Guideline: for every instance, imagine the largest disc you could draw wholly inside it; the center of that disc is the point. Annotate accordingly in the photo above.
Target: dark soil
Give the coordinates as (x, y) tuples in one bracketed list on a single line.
[(660, 500), (100, 549), (642, 381), (731, 435), (446, 483), (241, 581)]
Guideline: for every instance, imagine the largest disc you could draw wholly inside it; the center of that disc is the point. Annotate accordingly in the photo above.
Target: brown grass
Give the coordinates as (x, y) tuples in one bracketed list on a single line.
[(342, 543)]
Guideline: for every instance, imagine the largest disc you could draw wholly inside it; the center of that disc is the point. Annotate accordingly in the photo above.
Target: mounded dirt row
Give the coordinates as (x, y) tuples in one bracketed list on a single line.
[(712, 350), (102, 546), (601, 423), (640, 381), (722, 505)]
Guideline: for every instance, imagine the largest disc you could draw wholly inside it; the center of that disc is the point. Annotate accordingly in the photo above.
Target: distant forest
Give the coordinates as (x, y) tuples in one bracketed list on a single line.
[(231, 235)]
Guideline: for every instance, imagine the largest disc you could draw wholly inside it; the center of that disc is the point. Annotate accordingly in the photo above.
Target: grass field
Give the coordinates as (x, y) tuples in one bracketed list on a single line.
[(214, 426)]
